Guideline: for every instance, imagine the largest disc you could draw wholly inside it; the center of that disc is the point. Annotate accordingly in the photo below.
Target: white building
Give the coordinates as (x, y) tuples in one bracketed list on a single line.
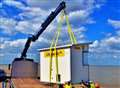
[(67, 64)]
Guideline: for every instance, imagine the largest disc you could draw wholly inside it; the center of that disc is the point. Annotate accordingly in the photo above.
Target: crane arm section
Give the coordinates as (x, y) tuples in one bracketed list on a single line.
[(44, 25)]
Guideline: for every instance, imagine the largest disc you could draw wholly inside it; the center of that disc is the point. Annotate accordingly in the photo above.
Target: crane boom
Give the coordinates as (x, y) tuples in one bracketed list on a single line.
[(44, 25)]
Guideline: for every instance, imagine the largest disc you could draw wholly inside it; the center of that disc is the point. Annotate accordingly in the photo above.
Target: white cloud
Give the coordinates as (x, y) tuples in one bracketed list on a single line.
[(14, 3), (80, 13), (112, 40), (17, 43), (14, 43), (109, 44), (33, 12), (33, 15), (7, 25), (80, 16), (1, 46), (98, 6), (114, 23), (31, 25), (45, 4), (0, 5), (95, 44), (24, 27), (118, 32), (71, 5), (112, 43), (16, 46), (79, 33), (1, 54)]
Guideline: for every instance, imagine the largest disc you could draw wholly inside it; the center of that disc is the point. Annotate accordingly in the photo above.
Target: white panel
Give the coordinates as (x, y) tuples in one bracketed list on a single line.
[(63, 67), (79, 72), (44, 68)]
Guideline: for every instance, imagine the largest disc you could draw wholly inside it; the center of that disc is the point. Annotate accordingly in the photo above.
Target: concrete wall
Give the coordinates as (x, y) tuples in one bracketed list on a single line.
[(24, 68)]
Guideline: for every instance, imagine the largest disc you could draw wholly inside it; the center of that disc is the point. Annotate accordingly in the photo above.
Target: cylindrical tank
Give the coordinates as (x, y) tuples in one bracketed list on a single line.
[(24, 68)]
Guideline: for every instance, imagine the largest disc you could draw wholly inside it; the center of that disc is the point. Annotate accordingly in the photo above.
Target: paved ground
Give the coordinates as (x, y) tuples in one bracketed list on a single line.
[(28, 83)]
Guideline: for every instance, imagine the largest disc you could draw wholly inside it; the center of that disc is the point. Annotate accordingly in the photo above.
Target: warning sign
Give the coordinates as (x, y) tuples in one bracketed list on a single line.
[(55, 53)]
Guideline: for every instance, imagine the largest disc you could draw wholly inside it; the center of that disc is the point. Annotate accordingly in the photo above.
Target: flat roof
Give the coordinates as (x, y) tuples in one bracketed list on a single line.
[(64, 46)]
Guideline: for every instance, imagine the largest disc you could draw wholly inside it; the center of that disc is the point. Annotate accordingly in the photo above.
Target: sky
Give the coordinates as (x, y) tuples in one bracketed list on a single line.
[(96, 21)]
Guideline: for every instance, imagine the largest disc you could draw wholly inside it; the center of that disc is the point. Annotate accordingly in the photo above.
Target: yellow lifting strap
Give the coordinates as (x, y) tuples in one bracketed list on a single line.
[(55, 41), (58, 34), (71, 34), (54, 44)]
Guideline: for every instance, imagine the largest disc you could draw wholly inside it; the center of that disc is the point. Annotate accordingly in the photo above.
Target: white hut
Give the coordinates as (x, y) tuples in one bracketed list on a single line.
[(70, 66)]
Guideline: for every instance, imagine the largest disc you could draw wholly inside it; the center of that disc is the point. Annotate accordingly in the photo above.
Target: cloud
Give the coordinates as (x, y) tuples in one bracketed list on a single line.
[(14, 43), (7, 25), (112, 43), (109, 44), (24, 27), (0, 5), (79, 10), (14, 4), (79, 34), (29, 25), (95, 44), (32, 18), (114, 23), (34, 14), (80, 13), (45, 4), (118, 32), (71, 5), (16, 46), (81, 16)]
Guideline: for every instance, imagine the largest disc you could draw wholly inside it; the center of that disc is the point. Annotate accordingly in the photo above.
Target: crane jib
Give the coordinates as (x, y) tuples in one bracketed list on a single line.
[(44, 25)]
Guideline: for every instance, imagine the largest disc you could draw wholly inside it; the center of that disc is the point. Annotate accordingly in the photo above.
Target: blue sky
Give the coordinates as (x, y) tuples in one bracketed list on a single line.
[(91, 20)]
